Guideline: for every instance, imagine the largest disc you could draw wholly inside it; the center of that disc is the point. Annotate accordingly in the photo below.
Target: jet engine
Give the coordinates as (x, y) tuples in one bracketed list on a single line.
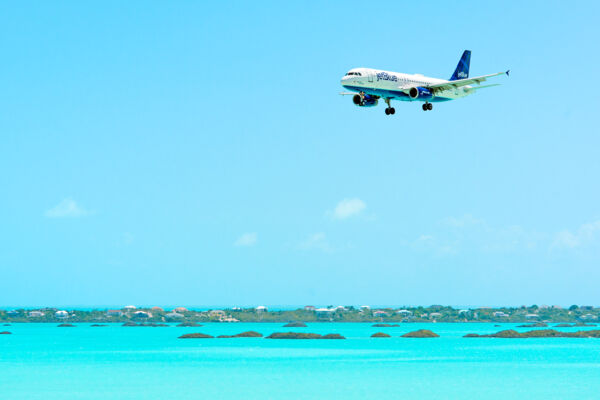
[(365, 101), (420, 92)]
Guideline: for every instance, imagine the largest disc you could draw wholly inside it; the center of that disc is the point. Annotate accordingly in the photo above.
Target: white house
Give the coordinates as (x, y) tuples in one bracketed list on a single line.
[(260, 309), (324, 312), (309, 308), (435, 315), (180, 310), (142, 314), (61, 314), (173, 315), (35, 314), (114, 313), (12, 313), (365, 308), (404, 313), (380, 313), (532, 316), (500, 314), (130, 308)]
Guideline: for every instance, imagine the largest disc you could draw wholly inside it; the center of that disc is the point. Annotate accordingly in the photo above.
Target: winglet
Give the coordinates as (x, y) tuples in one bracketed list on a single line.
[(508, 72)]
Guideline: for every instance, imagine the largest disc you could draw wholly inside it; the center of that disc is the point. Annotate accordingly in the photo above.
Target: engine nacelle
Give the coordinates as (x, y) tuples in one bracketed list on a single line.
[(420, 93), (365, 101)]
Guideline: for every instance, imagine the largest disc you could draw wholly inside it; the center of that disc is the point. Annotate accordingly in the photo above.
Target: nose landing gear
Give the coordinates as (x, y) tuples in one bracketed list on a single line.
[(427, 106)]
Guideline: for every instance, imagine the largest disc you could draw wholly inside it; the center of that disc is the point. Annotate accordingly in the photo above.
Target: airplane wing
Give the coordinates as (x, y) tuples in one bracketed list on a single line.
[(440, 87)]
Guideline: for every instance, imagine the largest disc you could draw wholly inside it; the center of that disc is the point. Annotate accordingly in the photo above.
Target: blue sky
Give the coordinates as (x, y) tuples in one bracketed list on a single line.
[(199, 153)]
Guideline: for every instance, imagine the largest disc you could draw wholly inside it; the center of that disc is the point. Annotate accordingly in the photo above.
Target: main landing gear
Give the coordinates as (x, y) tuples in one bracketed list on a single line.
[(389, 110), (427, 106)]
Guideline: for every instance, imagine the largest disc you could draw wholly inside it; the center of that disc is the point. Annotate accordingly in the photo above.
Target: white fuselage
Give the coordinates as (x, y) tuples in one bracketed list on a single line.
[(394, 85)]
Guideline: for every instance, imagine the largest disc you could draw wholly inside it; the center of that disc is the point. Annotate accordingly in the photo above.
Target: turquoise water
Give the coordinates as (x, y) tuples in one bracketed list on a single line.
[(41, 361)]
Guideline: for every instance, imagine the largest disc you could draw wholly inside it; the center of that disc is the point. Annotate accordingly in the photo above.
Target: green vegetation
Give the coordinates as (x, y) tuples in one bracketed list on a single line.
[(252, 334), (195, 336), (299, 335), (295, 325), (421, 333), (388, 316), (380, 335)]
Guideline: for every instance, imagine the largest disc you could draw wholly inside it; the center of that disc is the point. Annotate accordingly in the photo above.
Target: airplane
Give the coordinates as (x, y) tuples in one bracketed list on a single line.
[(373, 84)]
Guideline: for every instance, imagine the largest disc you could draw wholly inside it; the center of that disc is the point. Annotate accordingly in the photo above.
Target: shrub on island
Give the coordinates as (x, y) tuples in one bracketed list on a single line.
[(421, 333), (189, 325), (295, 325), (300, 335), (195, 336), (380, 335), (251, 334), (534, 325)]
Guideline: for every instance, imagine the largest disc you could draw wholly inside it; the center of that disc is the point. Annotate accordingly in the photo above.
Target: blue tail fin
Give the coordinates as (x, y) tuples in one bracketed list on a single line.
[(462, 69)]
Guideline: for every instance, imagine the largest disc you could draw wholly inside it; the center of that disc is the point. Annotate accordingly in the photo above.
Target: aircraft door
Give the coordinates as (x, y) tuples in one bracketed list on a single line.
[(370, 76)]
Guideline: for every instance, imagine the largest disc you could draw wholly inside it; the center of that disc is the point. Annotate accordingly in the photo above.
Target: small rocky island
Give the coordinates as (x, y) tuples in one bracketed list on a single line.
[(534, 325), (189, 325), (252, 334), (541, 333), (5, 333), (295, 325), (66, 326), (300, 335), (421, 333), (195, 336), (385, 325), (380, 335), (97, 325)]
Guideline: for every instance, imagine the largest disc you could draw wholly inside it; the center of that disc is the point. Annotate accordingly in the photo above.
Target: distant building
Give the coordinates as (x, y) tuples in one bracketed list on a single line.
[(61, 314), (216, 313), (142, 314), (532, 316), (174, 315), (500, 314), (180, 310), (35, 314), (380, 313), (12, 313), (260, 309), (404, 313), (236, 309), (114, 313), (157, 310), (588, 317), (129, 308), (464, 312), (365, 308), (309, 308), (434, 315), (324, 312)]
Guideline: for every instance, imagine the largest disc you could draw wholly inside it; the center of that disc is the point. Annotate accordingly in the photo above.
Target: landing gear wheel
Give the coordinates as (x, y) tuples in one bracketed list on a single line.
[(392, 111), (425, 108), (387, 111), (429, 106)]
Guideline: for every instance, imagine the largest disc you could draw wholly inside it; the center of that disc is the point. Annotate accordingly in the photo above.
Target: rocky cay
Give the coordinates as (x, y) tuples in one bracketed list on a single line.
[(421, 333), (300, 335)]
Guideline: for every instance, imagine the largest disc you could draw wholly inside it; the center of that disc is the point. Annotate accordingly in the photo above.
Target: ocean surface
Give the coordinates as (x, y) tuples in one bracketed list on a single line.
[(42, 361)]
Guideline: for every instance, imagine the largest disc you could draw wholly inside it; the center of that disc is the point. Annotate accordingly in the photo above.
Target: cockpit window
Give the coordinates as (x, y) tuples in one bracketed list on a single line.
[(354, 73)]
